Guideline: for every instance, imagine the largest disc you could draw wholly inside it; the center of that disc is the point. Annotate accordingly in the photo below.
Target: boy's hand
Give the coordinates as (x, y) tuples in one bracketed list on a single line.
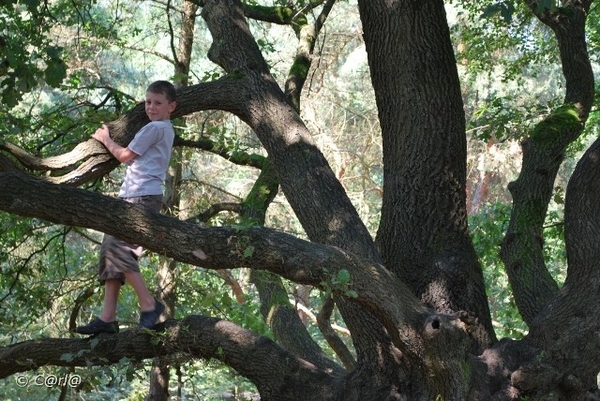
[(101, 134), (124, 155)]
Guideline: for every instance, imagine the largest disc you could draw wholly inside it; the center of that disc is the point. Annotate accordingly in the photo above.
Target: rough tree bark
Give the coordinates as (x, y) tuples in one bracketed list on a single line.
[(417, 336), (543, 153), (423, 234)]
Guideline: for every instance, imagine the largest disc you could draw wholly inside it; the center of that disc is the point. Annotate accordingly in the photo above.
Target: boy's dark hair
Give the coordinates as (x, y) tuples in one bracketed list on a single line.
[(164, 87)]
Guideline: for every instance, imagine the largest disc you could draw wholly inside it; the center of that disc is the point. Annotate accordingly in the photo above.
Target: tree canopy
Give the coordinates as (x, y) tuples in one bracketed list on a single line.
[(391, 237)]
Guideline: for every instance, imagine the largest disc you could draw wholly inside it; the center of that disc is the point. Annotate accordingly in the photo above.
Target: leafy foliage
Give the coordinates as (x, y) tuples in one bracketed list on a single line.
[(28, 55), (487, 230)]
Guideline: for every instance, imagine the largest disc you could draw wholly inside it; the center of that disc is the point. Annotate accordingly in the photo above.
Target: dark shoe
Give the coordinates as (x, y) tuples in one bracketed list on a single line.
[(98, 326), (148, 319)]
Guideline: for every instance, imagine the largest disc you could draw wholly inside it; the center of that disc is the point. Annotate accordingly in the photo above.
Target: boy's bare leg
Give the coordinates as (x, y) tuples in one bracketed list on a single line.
[(151, 307), (111, 295), (107, 322), (145, 299)]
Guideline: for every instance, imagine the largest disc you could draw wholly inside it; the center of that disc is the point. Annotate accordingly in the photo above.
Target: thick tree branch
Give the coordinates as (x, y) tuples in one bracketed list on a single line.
[(543, 152), (80, 152), (307, 37), (90, 160), (302, 169), (314, 192), (259, 248), (283, 320), (197, 336), (566, 330)]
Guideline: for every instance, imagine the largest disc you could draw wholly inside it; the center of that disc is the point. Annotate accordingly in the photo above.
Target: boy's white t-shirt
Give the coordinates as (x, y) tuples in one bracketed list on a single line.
[(145, 174)]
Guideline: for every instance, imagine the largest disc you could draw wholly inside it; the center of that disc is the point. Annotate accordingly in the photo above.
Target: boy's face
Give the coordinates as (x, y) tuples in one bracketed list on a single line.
[(158, 107)]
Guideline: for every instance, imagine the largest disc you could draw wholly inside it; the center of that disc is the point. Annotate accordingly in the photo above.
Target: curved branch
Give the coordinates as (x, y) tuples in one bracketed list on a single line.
[(284, 322), (567, 329), (90, 160), (307, 37), (543, 152), (79, 301), (370, 284), (582, 224), (236, 157), (197, 336), (334, 341), (65, 161), (215, 209)]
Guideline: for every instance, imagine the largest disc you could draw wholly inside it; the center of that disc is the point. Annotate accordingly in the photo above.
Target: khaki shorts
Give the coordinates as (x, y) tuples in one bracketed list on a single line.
[(117, 256)]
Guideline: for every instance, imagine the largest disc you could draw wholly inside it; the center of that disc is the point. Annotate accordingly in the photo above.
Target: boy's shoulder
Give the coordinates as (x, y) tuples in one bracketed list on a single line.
[(156, 125), (160, 123)]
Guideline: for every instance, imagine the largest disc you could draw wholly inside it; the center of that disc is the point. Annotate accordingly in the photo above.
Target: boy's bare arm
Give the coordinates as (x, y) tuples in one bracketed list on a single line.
[(120, 153)]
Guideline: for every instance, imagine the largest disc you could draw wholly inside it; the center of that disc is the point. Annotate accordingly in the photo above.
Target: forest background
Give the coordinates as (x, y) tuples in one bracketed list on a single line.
[(87, 63)]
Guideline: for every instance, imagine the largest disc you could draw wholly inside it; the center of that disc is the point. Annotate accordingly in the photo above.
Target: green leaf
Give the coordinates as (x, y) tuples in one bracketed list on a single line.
[(343, 276), (248, 252), (93, 343)]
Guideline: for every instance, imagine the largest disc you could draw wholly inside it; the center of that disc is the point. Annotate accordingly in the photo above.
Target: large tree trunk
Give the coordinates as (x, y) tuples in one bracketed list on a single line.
[(423, 233)]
